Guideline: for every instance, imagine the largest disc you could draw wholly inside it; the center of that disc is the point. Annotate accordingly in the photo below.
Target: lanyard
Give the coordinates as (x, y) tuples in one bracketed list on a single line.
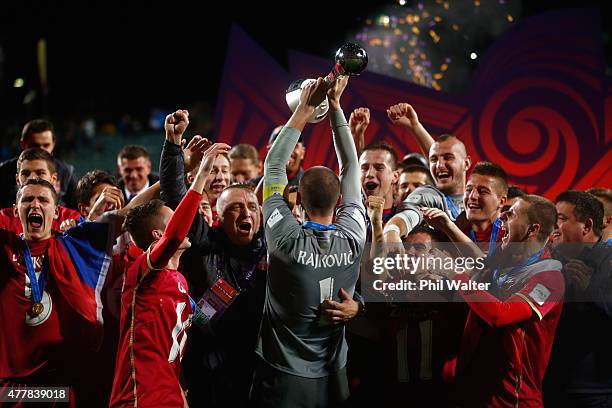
[(38, 286), (452, 207), (493, 239), (319, 227), (498, 281)]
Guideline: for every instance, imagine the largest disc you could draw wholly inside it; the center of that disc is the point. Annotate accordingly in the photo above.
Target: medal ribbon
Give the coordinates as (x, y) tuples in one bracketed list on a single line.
[(493, 239), (38, 286)]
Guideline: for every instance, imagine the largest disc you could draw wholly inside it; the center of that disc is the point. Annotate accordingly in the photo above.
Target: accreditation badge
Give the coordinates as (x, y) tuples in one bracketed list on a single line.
[(214, 302)]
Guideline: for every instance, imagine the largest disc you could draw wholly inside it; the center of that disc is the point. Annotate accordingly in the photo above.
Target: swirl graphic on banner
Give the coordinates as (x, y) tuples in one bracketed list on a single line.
[(524, 127)]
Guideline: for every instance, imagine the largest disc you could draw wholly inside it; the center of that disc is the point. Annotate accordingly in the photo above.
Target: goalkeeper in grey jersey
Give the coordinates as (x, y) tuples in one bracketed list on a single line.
[(302, 356)]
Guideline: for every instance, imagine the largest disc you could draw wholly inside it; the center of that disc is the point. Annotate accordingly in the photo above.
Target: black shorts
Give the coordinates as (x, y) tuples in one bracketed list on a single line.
[(274, 388)]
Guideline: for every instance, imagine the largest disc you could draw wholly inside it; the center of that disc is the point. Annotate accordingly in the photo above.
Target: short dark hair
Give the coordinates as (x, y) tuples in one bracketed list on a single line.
[(541, 211), (36, 153), (131, 152), (36, 126), (415, 168), (485, 168), (515, 191), (605, 194), (319, 191), (384, 147), (38, 182), (586, 206), (289, 190), (92, 179), (141, 220), (436, 236), (244, 151)]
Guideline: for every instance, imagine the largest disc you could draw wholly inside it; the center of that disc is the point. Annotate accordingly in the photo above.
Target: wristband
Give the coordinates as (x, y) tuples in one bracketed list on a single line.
[(388, 228)]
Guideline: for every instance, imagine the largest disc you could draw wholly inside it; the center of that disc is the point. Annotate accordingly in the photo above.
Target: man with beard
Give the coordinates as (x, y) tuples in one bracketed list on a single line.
[(38, 163), (580, 370), (219, 359), (510, 329)]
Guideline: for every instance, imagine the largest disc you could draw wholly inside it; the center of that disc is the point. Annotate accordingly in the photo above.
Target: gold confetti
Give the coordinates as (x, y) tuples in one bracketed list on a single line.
[(455, 27), (443, 67), (438, 75), (416, 30), (437, 19), (509, 18)]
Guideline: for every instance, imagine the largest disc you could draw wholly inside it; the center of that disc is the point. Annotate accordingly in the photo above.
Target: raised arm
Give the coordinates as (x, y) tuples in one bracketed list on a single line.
[(344, 144), (275, 173), (359, 122), (405, 116), (177, 228), (172, 162)]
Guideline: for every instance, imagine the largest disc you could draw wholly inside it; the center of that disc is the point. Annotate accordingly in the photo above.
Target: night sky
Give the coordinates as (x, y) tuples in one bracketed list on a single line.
[(116, 58)]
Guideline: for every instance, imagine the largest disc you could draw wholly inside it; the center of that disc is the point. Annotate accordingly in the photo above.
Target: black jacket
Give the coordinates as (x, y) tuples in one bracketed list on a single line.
[(218, 366), (65, 173)]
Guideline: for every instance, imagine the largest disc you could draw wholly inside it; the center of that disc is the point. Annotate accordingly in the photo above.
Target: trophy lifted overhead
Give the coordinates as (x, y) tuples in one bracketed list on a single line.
[(351, 59)]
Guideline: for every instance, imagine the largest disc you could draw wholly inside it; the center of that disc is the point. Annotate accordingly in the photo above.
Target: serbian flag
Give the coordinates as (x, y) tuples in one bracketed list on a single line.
[(79, 261)]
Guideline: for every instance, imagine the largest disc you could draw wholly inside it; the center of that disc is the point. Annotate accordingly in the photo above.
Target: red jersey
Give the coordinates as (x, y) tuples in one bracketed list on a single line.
[(155, 314), (43, 350), (503, 366), (9, 222)]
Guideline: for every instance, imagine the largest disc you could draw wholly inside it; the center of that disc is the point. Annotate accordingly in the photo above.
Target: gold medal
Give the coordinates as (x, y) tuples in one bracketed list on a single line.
[(36, 309)]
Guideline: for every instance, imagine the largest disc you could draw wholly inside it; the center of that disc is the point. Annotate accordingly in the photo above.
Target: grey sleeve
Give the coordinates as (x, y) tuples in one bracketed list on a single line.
[(347, 158), (425, 196), (275, 173), (279, 223)]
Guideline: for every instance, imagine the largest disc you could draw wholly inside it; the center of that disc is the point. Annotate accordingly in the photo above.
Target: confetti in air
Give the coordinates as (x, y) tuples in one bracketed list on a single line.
[(426, 42)]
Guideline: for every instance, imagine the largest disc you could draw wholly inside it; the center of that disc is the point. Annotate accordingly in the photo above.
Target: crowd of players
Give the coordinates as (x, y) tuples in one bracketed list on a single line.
[(104, 279)]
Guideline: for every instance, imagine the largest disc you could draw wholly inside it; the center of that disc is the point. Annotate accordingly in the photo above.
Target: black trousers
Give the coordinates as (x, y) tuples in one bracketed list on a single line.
[(276, 389)]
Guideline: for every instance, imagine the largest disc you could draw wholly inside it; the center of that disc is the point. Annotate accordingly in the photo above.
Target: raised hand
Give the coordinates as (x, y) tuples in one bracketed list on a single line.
[(359, 121), (375, 208), (175, 125), (404, 115), (110, 199), (206, 164), (437, 218), (335, 92), (312, 95), (194, 151)]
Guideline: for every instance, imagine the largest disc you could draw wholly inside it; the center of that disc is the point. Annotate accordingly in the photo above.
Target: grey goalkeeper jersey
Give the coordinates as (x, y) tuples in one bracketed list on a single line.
[(306, 266)]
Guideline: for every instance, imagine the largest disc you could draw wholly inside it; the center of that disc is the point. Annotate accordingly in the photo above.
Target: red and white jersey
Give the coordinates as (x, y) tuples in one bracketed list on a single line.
[(504, 366), (8, 221), (155, 314)]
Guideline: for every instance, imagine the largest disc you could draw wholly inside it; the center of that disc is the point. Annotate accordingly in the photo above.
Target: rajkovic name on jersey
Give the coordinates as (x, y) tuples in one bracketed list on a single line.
[(325, 260)]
